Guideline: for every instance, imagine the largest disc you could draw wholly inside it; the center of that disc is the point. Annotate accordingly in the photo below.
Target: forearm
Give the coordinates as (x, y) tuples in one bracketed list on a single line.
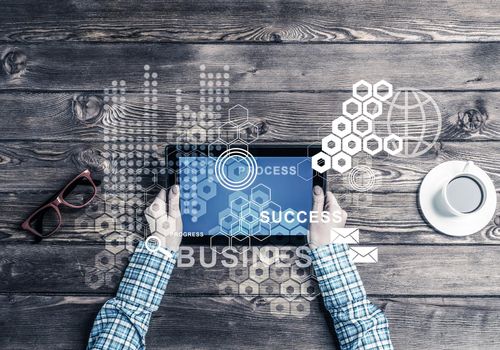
[(123, 321), (358, 323)]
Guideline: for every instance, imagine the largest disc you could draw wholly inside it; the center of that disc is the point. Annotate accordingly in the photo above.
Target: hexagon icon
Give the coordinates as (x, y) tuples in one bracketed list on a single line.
[(300, 308), (341, 162), (393, 144), (321, 162), (331, 144), (239, 205), (259, 272), (280, 307), (372, 144), (228, 288), (104, 224), (207, 189), (304, 170), (300, 274), (309, 289), (104, 260), (228, 224), (362, 126), (372, 108), (216, 148), (269, 254), (249, 289), (341, 126), (269, 287), (249, 132), (352, 108), (362, 90), (382, 90), (115, 242), (351, 145), (260, 194), (290, 289), (238, 274), (93, 278), (279, 273), (228, 132), (238, 114)]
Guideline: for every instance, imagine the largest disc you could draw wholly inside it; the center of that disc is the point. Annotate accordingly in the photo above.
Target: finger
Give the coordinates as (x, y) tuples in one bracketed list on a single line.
[(331, 202), (159, 205), (173, 201), (318, 199)]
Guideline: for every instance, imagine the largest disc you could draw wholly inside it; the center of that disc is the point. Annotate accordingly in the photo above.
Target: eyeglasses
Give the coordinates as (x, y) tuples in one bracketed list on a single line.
[(47, 219)]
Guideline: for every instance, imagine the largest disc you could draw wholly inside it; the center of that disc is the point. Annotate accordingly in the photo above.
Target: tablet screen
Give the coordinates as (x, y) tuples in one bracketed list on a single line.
[(276, 203)]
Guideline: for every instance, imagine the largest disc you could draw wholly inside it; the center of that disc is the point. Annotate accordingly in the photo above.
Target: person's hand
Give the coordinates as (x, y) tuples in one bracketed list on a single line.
[(166, 225), (319, 231)]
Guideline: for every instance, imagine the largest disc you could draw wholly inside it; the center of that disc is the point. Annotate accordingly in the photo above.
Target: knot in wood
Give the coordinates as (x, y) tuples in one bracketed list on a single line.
[(14, 62), (87, 108), (471, 120)]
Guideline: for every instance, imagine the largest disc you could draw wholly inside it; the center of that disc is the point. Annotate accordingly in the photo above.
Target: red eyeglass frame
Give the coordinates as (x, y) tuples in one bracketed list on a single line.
[(58, 201)]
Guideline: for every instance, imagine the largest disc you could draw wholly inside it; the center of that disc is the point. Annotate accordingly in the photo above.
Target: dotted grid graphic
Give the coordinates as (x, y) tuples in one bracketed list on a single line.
[(353, 132), (132, 176), (281, 280)]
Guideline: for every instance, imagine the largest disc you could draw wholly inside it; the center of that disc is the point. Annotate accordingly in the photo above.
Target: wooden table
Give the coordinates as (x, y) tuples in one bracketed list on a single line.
[(292, 65)]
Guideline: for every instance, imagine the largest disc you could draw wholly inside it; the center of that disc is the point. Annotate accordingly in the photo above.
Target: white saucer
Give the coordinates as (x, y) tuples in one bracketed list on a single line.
[(447, 223)]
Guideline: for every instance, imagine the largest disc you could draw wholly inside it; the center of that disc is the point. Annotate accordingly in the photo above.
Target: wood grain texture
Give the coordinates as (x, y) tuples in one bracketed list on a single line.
[(297, 117), (383, 218), (256, 21), (79, 66), (405, 270), (57, 163), (416, 323)]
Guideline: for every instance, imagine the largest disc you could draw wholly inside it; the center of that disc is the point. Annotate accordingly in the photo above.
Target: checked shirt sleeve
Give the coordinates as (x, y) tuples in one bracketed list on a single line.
[(123, 321), (359, 324)]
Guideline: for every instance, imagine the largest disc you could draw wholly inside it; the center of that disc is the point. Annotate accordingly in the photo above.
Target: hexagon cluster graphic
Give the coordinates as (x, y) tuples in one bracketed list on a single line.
[(241, 220), (275, 275), (353, 132)]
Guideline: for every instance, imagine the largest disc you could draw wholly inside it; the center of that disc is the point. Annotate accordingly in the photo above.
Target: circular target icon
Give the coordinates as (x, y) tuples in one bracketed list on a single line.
[(236, 169)]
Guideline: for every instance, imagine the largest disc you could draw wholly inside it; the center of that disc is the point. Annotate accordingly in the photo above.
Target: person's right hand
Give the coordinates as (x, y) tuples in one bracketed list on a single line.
[(167, 226), (319, 232)]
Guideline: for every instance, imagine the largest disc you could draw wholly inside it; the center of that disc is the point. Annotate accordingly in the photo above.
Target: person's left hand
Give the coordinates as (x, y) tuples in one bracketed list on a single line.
[(166, 225)]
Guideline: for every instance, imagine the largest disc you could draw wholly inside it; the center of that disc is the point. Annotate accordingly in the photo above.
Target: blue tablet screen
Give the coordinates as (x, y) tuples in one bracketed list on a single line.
[(269, 206)]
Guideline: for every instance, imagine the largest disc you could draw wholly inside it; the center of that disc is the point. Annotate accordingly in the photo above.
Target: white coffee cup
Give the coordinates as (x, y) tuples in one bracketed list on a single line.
[(463, 193)]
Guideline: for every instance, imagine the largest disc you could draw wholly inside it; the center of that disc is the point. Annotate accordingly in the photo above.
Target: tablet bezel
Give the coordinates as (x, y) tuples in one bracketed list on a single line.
[(172, 153)]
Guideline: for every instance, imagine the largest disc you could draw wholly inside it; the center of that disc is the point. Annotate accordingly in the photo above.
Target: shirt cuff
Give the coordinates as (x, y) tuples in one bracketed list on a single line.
[(146, 277), (337, 275)]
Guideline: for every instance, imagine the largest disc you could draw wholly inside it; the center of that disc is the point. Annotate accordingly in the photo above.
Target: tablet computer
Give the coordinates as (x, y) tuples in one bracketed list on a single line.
[(256, 191)]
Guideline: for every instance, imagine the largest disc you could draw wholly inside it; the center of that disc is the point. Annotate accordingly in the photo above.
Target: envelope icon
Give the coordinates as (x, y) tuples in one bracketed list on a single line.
[(344, 235), (364, 254)]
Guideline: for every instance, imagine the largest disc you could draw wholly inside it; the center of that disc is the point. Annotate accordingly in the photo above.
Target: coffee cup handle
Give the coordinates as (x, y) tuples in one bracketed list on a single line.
[(469, 164)]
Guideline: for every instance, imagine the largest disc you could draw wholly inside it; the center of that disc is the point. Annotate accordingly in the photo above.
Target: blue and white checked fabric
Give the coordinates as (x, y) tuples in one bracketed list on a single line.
[(359, 324), (123, 321)]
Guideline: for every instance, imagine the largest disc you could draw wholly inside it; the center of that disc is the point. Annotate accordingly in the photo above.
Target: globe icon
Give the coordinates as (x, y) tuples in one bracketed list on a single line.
[(415, 117)]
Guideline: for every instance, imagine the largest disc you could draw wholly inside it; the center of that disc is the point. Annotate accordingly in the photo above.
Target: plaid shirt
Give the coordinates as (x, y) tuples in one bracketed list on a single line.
[(358, 323), (123, 321)]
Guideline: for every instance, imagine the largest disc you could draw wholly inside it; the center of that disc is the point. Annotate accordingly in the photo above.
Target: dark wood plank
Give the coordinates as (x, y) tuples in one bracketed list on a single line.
[(289, 116), (259, 21), (215, 323), (383, 218), (401, 270), (78, 66), (55, 163)]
